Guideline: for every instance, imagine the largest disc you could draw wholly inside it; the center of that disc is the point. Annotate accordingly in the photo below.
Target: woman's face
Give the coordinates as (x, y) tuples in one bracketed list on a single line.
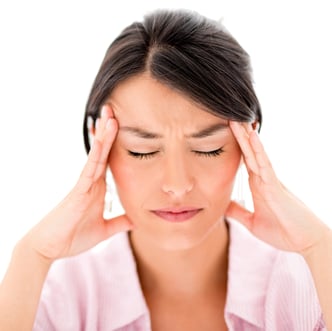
[(173, 163)]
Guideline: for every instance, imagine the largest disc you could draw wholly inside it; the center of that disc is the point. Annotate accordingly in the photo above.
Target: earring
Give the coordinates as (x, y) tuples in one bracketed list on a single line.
[(239, 196), (109, 195)]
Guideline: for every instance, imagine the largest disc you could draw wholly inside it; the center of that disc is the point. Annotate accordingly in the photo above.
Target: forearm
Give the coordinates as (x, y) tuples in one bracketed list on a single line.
[(319, 260), (21, 287)]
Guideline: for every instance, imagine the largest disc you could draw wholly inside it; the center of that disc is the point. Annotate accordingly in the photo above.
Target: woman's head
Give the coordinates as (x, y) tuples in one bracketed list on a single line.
[(173, 163), (188, 53), (174, 81)]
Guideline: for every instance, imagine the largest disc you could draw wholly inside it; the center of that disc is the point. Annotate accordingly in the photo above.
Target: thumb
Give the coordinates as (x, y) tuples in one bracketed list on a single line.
[(118, 224), (239, 213)]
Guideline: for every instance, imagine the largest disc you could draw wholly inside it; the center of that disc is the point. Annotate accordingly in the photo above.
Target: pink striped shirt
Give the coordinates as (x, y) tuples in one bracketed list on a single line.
[(99, 290)]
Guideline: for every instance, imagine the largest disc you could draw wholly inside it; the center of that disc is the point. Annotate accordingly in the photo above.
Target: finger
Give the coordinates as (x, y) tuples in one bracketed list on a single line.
[(101, 123), (86, 178), (106, 134), (118, 224), (240, 214), (242, 138), (100, 230), (109, 110), (265, 167), (96, 163), (109, 136)]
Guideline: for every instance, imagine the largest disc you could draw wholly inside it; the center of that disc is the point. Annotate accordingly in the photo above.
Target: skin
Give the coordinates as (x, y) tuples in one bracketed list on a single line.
[(77, 223), (180, 172)]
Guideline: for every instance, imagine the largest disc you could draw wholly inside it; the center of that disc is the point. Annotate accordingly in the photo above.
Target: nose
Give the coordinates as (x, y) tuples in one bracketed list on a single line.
[(177, 178)]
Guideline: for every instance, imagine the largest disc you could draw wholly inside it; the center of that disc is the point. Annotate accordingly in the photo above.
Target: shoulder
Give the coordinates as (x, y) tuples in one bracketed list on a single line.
[(92, 289), (270, 288), (291, 297), (97, 267)]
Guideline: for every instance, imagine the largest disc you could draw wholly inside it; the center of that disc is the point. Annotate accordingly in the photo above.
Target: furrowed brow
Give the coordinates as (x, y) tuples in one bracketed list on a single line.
[(206, 132), (139, 132), (209, 131)]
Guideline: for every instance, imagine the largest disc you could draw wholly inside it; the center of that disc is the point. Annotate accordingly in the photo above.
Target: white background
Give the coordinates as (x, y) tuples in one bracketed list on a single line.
[(50, 53)]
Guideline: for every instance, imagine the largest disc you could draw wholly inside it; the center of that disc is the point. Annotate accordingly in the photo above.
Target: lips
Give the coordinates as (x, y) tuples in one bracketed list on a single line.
[(177, 215)]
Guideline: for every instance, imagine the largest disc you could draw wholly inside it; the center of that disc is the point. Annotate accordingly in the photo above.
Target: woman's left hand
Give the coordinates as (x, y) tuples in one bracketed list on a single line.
[(279, 218)]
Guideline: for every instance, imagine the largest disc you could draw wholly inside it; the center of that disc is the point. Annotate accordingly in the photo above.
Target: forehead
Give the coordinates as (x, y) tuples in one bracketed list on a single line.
[(143, 98)]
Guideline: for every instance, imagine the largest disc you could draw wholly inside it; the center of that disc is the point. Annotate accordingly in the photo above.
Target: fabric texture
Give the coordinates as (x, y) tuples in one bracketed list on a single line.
[(99, 290)]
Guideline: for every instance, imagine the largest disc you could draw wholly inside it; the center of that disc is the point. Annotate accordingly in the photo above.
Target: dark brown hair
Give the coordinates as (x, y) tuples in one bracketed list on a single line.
[(187, 52)]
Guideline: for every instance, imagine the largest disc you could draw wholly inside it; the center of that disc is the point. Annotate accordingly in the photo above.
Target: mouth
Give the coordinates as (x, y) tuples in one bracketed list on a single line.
[(177, 215)]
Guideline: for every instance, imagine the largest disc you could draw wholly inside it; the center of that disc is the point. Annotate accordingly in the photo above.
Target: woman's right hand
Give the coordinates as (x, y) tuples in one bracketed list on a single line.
[(77, 223)]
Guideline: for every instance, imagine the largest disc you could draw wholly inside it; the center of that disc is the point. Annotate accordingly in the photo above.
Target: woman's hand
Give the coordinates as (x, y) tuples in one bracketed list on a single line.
[(279, 218), (77, 223)]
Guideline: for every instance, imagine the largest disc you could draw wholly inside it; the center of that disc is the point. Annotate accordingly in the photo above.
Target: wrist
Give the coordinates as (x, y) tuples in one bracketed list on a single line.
[(318, 259), (25, 252), (321, 250)]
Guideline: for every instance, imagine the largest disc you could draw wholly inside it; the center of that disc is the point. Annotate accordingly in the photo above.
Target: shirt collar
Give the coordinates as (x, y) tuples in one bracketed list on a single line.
[(128, 303), (250, 264)]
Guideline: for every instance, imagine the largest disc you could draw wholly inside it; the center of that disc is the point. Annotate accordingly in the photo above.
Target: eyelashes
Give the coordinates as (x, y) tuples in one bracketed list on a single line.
[(149, 155), (214, 153), (142, 155)]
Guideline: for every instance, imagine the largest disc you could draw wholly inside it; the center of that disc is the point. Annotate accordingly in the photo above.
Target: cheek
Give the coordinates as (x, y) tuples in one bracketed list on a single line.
[(128, 177), (214, 178), (217, 182), (122, 173)]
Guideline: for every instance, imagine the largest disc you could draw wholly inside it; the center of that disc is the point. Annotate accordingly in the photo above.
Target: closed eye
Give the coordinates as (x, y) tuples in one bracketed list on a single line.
[(149, 155), (216, 152), (142, 155)]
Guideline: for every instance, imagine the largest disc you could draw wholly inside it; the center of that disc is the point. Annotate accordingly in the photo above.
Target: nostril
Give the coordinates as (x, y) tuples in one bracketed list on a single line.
[(178, 188), (177, 178)]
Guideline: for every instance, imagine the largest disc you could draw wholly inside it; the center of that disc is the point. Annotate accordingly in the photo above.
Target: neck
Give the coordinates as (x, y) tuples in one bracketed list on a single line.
[(192, 272)]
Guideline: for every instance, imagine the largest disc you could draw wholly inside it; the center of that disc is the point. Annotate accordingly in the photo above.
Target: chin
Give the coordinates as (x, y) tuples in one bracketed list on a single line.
[(179, 240), (179, 244)]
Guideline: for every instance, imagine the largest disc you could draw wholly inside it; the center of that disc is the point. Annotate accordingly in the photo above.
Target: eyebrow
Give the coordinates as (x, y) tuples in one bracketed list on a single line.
[(210, 130), (206, 132), (139, 132)]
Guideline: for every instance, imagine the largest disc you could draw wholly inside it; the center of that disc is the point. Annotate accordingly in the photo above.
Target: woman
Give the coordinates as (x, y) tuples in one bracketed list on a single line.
[(173, 114)]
